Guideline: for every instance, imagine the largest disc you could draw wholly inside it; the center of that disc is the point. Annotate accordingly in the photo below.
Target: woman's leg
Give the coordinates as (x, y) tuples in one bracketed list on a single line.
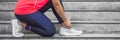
[(39, 24)]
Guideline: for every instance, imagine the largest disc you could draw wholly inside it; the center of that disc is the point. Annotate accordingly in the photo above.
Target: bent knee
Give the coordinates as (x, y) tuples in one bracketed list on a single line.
[(49, 34)]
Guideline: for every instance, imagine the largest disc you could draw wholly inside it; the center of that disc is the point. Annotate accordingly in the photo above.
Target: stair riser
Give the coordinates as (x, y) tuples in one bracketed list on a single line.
[(87, 28), (74, 5), (61, 39), (73, 0), (73, 16)]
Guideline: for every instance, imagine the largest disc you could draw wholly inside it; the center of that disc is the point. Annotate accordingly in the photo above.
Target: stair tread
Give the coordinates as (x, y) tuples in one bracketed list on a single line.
[(67, 5), (112, 22), (57, 35)]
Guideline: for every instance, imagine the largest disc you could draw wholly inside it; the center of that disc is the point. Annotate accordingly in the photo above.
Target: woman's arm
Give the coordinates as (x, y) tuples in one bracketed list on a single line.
[(60, 11)]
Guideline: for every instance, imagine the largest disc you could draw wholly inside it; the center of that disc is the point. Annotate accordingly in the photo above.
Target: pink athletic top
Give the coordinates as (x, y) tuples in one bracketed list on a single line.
[(28, 6)]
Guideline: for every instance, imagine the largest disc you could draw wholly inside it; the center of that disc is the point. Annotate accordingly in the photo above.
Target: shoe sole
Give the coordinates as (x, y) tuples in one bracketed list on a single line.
[(70, 34)]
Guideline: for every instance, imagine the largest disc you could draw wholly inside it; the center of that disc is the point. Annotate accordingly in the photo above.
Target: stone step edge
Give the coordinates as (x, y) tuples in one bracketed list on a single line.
[(78, 22), (84, 36)]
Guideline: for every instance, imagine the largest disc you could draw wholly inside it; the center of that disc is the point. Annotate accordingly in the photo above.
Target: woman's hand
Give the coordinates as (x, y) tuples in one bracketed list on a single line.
[(67, 24)]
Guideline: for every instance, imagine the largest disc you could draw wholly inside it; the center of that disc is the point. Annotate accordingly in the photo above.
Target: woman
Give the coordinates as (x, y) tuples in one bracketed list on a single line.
[(31, 15)]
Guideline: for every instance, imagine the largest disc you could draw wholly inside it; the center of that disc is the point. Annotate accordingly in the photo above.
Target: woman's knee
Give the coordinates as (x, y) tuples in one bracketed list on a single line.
[(49, 34)]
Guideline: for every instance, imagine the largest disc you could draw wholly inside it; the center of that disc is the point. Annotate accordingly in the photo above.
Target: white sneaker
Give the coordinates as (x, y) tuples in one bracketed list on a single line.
[(69, 32), (16, 28)]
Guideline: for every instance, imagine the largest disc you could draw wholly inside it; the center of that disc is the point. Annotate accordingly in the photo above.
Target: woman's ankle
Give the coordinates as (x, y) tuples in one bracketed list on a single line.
[(66, 25), (28, 27), (23, 24)]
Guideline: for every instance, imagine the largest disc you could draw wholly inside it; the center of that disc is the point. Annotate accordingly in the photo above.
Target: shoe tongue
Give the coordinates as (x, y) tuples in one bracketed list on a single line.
[(63, 28), (72, 29)]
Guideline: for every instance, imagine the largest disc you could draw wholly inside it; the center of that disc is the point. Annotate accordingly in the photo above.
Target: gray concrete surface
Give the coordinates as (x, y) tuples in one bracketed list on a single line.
[(74, 5), (87, 28), (72, 0), (60, 39), (76, 10), (57, 37), (73, 16)]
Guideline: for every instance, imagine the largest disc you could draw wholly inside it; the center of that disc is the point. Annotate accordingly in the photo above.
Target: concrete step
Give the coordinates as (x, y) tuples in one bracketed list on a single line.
[(99, 20), (57, 37), (87, 27), (76, 6), (72, 0), (73, 16)]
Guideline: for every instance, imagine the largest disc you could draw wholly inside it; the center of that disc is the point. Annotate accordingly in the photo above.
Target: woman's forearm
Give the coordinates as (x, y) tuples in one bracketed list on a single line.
[(59, 9)]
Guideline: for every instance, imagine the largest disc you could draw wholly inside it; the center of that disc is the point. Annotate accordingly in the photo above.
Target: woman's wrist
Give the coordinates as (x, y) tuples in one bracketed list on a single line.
[(66, 20)]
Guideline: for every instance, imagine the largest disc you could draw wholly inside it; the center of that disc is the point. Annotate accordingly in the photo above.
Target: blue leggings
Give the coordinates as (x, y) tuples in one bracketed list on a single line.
[(38, 23)]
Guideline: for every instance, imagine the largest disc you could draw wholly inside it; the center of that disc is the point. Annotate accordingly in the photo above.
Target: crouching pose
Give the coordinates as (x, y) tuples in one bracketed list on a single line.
[(30, 13)]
